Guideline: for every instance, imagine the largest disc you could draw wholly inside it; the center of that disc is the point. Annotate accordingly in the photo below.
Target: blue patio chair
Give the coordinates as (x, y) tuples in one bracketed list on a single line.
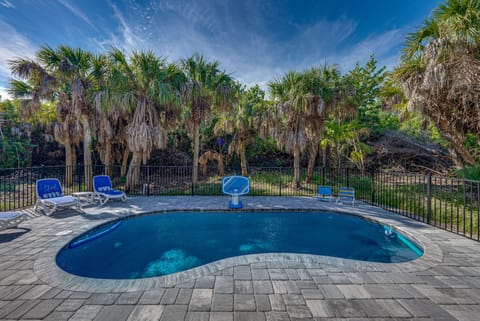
[(102, 186), (235, 186), (324, 193), (10, 219), (346, 194), (50, 197)]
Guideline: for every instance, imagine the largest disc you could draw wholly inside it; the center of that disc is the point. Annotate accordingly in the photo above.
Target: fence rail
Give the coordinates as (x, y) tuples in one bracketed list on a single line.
[(448, 203)]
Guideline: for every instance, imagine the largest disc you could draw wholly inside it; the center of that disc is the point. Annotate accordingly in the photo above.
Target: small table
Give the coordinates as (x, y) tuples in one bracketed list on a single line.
[(88, 197)]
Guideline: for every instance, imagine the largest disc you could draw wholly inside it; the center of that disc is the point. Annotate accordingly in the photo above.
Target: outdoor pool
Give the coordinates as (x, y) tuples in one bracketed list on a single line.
[(161, 244)]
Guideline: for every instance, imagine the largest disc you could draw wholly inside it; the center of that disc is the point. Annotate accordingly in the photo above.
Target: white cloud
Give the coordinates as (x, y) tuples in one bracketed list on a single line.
[(7, 4), (13, 45), (381, 45), (4, 94), (77, 12), (178, 29), (124, 38)]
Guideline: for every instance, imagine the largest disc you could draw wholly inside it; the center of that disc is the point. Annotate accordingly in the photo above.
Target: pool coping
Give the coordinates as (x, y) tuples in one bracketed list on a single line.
[(48, 271)]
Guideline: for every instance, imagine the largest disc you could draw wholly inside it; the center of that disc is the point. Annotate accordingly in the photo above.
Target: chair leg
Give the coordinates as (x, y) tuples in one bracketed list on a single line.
[(35, 207)]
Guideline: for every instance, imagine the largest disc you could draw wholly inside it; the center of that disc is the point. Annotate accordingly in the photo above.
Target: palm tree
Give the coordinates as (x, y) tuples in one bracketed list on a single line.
[(440, 71), (290, 116), (303, 102), (74, 71), (242, 120), (206, 87), (64, 73), (329, 94), (109, 120), (42, 83), (148, 88)]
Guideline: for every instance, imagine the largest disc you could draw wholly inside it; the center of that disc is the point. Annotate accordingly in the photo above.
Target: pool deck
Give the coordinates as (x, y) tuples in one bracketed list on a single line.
[(444, 284)]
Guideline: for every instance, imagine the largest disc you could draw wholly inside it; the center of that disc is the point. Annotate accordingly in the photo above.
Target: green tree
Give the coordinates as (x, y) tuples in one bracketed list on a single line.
[(63, 74), (242, 120), (290, 115), (302, 104), (329, 94), (149, 88), (345, 142), (366, 82), (15, 146), (440, 69), (206, 88)]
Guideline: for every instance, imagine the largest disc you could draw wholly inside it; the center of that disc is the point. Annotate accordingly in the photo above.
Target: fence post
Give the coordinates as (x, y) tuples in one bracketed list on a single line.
[(372, 184), (280, 187), (348, 177), (429, 197)]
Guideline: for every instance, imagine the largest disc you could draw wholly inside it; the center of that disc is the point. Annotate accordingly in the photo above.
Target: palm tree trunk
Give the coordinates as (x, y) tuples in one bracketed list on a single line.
[(123, 170), (73, 165), (311, 162), (324, 157), (457, 144), (87, 156), (133, 175), (68, 162), (196, 150), (108, 159), (243, 159), (296, 165)]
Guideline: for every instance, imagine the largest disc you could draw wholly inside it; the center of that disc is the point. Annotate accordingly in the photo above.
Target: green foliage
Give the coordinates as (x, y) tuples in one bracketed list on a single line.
[(469, 172), (389, 121), (366, 81), (472, 143), (414, 126), (344, 140), (15, 147), (46, 114)]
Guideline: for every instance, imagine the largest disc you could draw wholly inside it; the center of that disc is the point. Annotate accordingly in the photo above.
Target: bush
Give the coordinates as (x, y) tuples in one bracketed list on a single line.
[(469, 172)]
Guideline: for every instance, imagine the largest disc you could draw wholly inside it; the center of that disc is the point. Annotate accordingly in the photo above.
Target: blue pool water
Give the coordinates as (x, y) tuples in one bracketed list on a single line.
[(161, 244)]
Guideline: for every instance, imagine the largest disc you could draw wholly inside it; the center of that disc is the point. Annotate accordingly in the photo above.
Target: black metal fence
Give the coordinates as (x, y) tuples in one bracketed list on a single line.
[(448, 203)]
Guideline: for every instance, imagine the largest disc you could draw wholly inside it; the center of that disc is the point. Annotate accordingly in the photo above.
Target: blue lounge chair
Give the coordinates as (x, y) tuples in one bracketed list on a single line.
[(324, 193), (235, 186), (102, 186), (50, 197), (346, 194), (10, 219)]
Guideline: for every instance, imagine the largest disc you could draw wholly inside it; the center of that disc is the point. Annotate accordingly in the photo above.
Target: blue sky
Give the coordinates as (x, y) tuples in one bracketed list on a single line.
[(254, 40)]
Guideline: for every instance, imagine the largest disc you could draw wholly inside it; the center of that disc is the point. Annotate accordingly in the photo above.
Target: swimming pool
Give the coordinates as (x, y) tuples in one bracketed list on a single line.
[(162, 244)]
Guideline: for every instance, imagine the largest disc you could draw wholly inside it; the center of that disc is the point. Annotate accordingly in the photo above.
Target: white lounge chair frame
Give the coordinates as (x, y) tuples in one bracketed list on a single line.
[(50, 202), (10, 219), (104, 197)]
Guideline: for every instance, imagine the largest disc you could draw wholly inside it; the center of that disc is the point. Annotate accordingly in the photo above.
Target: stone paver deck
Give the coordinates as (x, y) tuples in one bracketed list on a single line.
[(444, 284)]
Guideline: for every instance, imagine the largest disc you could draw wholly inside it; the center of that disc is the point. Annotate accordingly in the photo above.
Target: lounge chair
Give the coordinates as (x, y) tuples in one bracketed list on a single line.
[(346, 194), (102, 186), (10, 219), (324, 193), (235, 186), (50, 197)]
